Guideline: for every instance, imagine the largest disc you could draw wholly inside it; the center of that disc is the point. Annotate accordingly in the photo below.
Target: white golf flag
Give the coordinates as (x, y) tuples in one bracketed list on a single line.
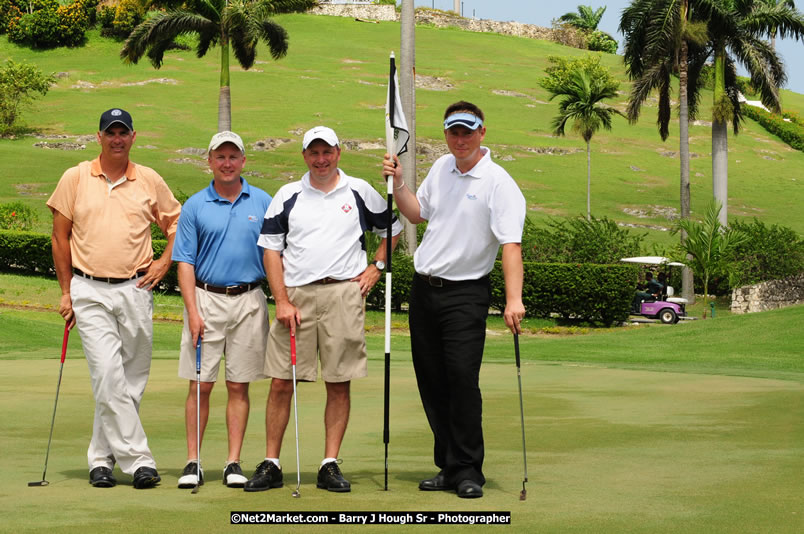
[(394, 117)]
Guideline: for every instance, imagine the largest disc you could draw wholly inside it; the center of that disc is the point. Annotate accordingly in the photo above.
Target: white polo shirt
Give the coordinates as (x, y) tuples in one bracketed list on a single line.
[(469, 216), (321, 234)]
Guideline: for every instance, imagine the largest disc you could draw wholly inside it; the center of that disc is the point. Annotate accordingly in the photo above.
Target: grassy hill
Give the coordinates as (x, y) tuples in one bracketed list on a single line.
[(335, 74)]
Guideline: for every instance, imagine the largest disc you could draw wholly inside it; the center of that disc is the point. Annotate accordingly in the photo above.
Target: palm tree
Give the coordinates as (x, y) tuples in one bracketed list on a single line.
[(773, 3), (583, 94), (739, 32), (586, 19), (239, 24), (658, 35)]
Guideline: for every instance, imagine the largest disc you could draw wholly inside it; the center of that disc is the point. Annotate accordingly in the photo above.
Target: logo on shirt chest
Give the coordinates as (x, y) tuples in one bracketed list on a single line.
[(346, 208)]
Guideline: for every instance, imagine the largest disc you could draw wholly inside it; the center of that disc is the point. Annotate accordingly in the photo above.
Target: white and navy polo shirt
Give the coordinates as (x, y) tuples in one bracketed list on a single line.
[(322, 234), (469, 216)]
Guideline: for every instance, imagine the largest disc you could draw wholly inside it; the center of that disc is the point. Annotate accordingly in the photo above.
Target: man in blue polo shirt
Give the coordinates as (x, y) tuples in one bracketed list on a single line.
[(220, 270)]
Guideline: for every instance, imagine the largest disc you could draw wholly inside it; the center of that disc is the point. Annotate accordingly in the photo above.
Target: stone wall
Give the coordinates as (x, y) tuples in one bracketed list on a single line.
[(383, 12), (440, 19), (768, 295)]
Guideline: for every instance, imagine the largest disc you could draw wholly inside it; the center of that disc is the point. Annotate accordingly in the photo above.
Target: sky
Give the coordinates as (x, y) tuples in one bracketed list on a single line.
[(542, 12)]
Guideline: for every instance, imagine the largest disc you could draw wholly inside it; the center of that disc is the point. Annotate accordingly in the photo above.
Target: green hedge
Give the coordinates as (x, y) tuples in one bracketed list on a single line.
[(587, 292), (791, 132)]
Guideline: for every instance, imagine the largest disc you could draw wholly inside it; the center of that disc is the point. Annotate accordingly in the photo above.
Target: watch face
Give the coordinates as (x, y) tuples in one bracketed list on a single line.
[(379, 264)]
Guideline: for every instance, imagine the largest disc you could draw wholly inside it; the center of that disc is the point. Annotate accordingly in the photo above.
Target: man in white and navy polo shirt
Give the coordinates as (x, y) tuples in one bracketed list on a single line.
[(473, 207), (315, 257)]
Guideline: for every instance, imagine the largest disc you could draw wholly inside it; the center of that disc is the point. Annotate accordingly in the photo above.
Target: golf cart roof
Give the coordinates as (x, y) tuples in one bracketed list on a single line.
[(653, 260)]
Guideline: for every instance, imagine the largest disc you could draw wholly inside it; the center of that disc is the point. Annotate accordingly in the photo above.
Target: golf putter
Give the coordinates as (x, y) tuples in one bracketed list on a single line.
[(524, 493), (44, 482), (296, 493), (197, 415)]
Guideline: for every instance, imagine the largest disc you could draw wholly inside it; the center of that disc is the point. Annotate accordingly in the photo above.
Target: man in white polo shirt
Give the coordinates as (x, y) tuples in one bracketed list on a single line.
[(315, 258), (472, 206)]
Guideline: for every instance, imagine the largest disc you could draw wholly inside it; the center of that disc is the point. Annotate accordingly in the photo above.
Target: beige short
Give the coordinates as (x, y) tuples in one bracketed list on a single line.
[(332, 330), (236, 326)]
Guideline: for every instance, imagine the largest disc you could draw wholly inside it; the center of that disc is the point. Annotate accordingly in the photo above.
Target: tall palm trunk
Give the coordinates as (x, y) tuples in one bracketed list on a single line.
[(687, 283), (588, 181), (224, 97), (721, 112)]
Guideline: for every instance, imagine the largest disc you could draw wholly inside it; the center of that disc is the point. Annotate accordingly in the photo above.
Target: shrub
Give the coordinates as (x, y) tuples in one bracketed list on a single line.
[(602, 42), (559, 73), (73, 24), (770, 253), (791, 132), (19, 83), (577, 240), (581, 292), (119, 21), (16, 216), (10, 10)]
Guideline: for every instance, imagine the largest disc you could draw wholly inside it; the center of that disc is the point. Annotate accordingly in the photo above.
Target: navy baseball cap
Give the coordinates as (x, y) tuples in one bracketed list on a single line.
[(467, 120), (114, 116)]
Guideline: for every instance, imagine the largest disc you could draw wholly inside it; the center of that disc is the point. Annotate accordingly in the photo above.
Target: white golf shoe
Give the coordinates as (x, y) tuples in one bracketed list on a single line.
[(189, 477)]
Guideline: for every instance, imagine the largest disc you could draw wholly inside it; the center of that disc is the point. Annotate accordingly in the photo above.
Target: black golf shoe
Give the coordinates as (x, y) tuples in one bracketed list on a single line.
[(437, 483), (331, 479), (267, 476), (190, 476), (102, 477), (146, 477), (469, 489)]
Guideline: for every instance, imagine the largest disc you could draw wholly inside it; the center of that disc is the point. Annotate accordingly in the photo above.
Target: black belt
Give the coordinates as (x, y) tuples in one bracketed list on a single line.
[(107, 279), (228, 290), (435, 281), (328, 280)]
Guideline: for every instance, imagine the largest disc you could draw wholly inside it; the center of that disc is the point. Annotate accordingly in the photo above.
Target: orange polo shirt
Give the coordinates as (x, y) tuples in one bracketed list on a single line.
[(111, 234)]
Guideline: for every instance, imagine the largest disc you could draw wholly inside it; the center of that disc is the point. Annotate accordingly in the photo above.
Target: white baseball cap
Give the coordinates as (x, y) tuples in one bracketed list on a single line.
[(467, 120), (225, 137), (320, 132)]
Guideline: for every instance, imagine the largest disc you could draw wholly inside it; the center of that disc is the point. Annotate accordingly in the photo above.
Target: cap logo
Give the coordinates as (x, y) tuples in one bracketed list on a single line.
[(116, 113)]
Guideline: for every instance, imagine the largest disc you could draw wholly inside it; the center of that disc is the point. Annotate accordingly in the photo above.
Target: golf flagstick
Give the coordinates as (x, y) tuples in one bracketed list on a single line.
[(44, 482), (524, 493), (295, 411), (197, 415), (396, 140)]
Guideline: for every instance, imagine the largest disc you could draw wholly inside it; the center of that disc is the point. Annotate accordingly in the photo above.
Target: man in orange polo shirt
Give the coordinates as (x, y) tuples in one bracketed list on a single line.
[(102, 212)]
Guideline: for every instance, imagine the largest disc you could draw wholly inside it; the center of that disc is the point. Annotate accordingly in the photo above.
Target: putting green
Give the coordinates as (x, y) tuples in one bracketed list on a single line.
[(609, 450)]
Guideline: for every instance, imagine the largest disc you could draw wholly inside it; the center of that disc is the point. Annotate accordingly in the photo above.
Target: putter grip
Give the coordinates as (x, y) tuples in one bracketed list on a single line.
[(516, 348), (64, 341), (198, 356), (292, 349)]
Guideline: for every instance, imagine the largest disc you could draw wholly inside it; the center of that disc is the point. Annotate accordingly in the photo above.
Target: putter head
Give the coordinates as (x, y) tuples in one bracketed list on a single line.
[(524, 493), (195, 489), (296, 494), (38, 483)]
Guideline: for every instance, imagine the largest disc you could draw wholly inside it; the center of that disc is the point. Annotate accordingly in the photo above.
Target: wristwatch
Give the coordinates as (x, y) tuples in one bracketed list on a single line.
[(379, 264)]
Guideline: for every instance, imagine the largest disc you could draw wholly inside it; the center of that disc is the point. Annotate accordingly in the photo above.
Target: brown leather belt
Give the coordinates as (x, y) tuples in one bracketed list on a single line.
[(435, 281), (229, 290), (328, 280), (107, 279)]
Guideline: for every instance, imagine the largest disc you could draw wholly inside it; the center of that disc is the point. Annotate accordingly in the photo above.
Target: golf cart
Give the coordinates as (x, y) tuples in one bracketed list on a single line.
[(666, 308)]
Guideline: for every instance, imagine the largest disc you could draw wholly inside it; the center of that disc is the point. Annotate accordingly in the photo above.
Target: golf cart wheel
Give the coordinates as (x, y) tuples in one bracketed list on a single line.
[(668, 316)]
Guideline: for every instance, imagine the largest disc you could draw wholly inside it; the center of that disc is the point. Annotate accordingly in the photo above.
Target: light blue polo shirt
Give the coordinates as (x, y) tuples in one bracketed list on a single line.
[(219, 238)]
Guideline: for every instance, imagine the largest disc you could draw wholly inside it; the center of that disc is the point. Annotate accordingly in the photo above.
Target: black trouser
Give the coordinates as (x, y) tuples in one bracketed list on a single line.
[(448, 331)]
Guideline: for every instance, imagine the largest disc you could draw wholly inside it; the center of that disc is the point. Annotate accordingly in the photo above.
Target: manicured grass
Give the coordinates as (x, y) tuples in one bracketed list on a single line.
[(609, 450), (344, 86)]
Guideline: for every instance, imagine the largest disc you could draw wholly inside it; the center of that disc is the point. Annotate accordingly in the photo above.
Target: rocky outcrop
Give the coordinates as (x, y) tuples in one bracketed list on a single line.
[(768, 295), (440, 19)]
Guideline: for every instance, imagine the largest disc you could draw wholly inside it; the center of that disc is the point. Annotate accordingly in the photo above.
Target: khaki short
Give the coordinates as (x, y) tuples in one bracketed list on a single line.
[(236, 326), (332, 329)]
